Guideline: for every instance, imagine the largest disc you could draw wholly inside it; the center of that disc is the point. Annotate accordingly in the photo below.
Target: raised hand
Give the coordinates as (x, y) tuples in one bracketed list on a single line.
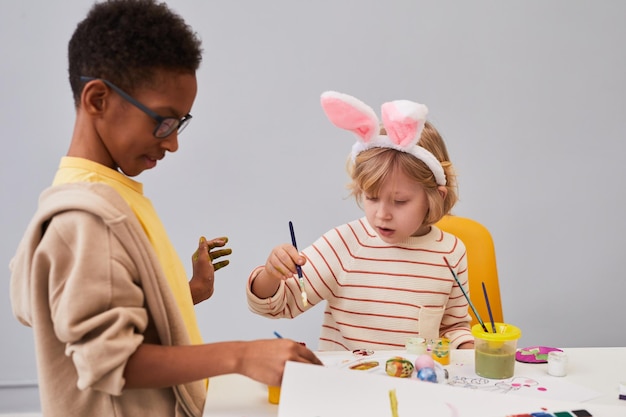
[(203, 279)]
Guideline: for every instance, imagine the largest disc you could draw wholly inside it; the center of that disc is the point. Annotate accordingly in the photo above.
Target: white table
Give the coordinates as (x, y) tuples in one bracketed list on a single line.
[(599, 369)]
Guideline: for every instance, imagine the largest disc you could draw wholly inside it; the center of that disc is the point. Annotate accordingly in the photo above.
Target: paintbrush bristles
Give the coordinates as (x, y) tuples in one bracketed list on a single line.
[(305, 300)]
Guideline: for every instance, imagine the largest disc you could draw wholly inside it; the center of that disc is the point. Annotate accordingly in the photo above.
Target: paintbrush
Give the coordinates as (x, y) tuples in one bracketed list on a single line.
[(493, 325), (298, 268), (466, 296)]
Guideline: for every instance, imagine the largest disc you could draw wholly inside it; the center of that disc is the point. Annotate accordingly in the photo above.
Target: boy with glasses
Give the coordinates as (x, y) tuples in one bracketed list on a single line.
[(95, 274)]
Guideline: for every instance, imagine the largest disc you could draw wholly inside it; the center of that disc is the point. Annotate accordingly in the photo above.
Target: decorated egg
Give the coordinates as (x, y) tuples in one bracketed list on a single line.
[(424, 361), (398, 366), (427, 374)]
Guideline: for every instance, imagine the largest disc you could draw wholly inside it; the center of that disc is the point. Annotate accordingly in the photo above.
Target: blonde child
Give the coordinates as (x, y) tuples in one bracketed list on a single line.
[(383, 276)]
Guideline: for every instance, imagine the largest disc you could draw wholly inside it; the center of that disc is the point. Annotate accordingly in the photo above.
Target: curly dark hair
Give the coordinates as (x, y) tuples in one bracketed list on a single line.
[(125, 41)]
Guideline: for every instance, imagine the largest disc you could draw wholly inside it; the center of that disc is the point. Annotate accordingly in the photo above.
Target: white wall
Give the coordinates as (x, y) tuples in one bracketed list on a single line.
[(531, 97)]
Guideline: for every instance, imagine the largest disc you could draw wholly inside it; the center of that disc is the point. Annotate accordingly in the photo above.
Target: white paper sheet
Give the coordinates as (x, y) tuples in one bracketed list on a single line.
[(323, 391)]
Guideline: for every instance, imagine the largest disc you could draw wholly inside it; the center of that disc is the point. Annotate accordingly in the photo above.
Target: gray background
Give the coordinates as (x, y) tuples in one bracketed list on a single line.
[(530, 97)]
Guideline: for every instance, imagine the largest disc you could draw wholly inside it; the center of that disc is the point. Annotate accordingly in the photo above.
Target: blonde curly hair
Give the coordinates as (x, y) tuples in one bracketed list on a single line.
[(371, 168)]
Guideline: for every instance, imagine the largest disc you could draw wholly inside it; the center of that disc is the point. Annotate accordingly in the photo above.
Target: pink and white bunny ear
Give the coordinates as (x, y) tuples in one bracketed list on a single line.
[(349, 113), (404, 121)]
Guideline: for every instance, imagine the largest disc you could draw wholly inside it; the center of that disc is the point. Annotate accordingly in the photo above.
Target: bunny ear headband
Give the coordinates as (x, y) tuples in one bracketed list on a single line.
[(403, 120)]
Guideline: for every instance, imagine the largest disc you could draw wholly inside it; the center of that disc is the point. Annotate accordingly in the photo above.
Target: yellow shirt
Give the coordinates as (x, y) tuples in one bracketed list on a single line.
[(72, 169)]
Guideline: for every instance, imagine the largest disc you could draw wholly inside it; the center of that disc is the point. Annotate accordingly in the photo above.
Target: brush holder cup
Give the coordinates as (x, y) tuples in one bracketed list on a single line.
[(495, 352)]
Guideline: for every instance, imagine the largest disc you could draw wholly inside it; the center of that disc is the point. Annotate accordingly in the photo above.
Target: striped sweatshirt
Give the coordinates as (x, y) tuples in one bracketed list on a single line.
[(377, 295)]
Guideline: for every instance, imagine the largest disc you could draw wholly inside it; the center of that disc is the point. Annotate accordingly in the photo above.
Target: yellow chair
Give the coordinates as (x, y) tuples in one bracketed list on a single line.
[(481, 265)]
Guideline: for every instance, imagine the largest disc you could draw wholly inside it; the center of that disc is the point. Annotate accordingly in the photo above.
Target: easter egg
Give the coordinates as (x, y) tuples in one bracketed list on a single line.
[(398, 366), (427, 374), (424, 361)]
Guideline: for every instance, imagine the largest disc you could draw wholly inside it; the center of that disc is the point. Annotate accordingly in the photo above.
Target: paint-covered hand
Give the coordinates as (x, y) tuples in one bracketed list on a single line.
[(203, 279), (281, 264)]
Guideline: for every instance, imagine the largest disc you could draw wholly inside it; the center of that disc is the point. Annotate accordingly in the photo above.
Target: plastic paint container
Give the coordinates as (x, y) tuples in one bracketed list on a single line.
[(557, 363), (273, 394), (494, 353), (440, 350), (416, 345)]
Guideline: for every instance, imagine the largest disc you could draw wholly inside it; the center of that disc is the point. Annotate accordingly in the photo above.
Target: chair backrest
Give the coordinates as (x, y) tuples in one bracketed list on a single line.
[(481, 265)]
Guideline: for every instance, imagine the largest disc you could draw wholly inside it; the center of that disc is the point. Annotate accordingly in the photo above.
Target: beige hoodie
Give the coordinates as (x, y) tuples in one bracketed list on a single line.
[(88, 282)]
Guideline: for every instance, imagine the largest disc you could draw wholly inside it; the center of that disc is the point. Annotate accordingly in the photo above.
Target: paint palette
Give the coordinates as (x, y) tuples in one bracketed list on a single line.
[(534, 354)]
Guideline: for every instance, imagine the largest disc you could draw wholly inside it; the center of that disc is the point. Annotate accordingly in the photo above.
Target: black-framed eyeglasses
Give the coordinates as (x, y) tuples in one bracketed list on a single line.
[(165, 125)]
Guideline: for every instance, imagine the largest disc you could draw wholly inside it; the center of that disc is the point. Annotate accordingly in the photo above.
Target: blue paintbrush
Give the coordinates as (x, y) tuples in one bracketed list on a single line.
[(300, 277), (466, 296)]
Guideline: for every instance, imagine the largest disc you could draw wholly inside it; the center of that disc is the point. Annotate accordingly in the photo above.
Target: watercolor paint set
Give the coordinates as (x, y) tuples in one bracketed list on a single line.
[(573, 413)]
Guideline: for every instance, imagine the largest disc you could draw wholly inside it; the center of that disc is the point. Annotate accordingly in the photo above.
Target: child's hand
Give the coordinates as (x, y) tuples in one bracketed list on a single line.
[(281, 264), (202, 282), (264, 360)]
